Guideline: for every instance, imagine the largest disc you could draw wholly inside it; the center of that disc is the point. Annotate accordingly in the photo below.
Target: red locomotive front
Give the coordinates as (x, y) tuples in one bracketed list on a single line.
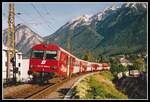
[(50, 60), (44, 60)]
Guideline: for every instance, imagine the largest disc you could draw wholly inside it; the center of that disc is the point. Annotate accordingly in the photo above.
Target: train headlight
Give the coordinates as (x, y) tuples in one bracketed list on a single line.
[(53, 67)]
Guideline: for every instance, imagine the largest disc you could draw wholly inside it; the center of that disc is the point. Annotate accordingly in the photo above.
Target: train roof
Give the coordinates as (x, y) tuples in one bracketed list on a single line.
[(53, 46), (46, 47), (68, 53)]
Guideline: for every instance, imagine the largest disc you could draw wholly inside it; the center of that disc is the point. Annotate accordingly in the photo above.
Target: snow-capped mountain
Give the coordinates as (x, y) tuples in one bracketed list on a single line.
[(103, 13), (81, 20), (112, 28), (88, 19), (134, 5), (25, 38)]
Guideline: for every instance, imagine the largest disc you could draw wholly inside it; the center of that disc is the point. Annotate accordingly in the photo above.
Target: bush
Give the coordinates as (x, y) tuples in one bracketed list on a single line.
[(117, 68), (138, 64)]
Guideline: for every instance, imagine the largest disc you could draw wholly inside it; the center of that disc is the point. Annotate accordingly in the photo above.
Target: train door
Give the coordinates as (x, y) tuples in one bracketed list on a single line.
[(76, 66), (72, 60), (63, 64)]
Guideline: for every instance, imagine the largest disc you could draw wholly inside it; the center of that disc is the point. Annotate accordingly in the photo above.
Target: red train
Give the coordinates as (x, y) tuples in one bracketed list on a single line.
[(52, 60)]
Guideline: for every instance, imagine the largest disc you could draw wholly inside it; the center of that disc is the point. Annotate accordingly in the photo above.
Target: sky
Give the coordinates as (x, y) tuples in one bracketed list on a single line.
[(46, 18)]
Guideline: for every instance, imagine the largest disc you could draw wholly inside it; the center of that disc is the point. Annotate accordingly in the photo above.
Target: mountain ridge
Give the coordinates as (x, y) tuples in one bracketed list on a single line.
[(25, 38), (110, 31), (116, 27)]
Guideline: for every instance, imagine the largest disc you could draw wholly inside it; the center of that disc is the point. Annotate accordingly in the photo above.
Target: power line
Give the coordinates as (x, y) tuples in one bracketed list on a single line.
[(48, 14), (35, 23), (17, 14), (41, 16), (26, 23)]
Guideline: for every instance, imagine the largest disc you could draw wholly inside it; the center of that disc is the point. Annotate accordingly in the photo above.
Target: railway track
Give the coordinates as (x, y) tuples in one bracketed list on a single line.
[(26, 90), (59, 90), (56, 89), (48, 90), (44, 92)]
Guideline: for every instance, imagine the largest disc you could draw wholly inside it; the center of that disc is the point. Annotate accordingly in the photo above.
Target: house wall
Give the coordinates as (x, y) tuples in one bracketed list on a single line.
[(4, 65), (24, 70)]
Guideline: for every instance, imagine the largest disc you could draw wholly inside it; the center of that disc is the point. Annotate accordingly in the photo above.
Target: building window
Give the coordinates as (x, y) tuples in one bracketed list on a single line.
[(19, 64)]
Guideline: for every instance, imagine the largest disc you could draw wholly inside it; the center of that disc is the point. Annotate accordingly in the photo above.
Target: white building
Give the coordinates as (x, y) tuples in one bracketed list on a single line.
[(24, 71), (125, 62), (4, 64)]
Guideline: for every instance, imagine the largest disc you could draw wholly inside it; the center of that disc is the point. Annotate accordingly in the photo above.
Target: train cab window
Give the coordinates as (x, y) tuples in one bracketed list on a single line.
[(37, 54), (51, 55)]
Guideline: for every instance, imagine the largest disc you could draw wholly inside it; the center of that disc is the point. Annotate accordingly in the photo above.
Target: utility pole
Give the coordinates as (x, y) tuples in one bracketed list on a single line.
[(69, 41), (69, 50), (11, 42)]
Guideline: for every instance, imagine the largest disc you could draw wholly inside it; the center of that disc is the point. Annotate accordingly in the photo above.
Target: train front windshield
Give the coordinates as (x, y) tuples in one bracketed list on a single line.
[(44, 54), (37, 54), (51, 55)]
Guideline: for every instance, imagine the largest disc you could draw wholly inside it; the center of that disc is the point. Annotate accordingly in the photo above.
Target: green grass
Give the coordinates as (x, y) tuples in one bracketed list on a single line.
[(98, 87), (107, 74)]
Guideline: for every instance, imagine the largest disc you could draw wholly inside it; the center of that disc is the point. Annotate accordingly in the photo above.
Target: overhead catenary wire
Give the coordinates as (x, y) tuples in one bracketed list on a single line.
[(47, 13), (18, 16), (34, 23), (26, 23), (42, 17)]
